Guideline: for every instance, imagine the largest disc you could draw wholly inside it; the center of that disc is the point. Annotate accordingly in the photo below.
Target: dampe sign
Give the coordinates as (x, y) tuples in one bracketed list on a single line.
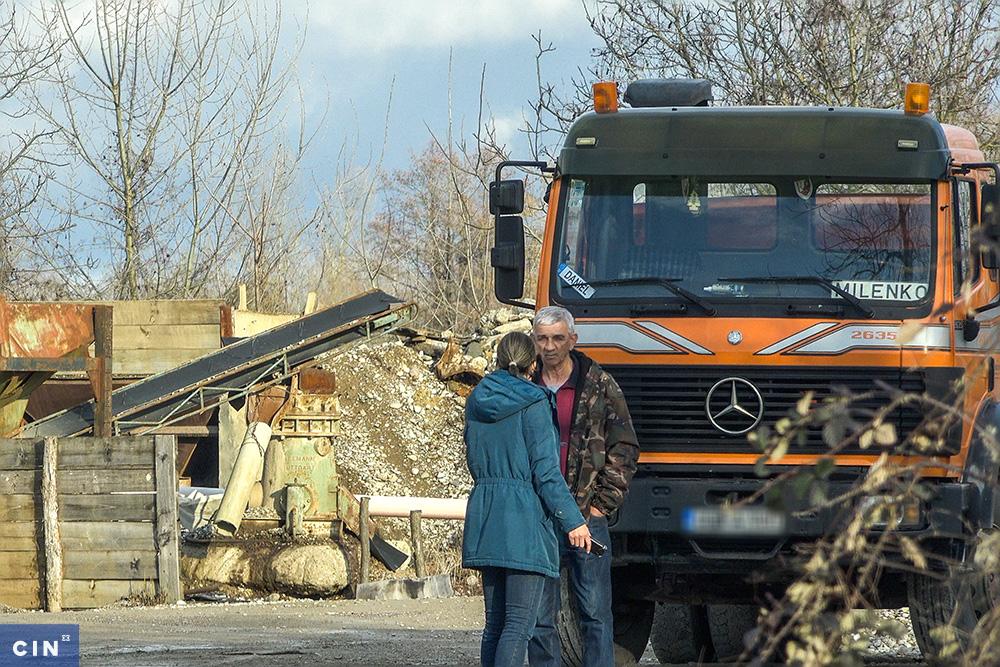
[(41, 644)]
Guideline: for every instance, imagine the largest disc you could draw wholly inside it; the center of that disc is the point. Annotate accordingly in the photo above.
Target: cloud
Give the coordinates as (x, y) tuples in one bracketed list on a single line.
[(378, 26)]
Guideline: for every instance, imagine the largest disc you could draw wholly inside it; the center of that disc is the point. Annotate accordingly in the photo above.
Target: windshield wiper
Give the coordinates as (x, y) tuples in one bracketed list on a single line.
[(668, 283), (805, 280)]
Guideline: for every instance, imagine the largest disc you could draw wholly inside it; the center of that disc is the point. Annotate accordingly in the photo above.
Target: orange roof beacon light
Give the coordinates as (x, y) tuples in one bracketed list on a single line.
[(605, 97), (918, 99)]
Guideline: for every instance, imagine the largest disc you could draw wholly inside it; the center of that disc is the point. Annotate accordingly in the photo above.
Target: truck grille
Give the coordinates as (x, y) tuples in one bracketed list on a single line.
[(668, 403)]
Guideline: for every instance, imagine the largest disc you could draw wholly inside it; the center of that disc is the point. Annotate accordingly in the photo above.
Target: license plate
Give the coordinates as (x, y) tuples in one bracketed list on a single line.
[(733, 522)]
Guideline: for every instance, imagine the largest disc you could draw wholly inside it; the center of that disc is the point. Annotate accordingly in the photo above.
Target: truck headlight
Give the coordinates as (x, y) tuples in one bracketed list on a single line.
[(890, 512)]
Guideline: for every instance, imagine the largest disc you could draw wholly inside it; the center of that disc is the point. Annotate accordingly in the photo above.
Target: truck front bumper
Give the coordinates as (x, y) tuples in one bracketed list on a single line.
[(650, 527)]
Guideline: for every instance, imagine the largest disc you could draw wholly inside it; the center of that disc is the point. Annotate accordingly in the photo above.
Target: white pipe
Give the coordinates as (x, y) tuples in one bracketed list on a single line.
[(246, 472), (432, 508)]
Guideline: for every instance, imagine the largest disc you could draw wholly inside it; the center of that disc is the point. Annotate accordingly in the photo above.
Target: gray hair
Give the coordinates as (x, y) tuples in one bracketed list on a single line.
[(515, 353), (550, 315)]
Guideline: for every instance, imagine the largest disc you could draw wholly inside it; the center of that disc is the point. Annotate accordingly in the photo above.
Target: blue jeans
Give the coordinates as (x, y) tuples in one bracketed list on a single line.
[(512, 600), (590, 585)]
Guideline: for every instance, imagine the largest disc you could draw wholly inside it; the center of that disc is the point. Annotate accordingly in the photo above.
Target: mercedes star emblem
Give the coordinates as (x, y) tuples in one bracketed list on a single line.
[(734, 337), (734, 405)]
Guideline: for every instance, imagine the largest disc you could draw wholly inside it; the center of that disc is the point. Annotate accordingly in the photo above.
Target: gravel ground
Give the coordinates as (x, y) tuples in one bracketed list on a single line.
[(301, 633)]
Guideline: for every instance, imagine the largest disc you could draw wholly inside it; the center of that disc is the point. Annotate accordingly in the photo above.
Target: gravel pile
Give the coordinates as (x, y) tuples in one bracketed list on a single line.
[(886, 646), (402, 434)]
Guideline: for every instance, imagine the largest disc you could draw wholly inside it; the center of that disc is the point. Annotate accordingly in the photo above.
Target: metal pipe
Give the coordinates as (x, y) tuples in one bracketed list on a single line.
[(430, 508), (246, 472)]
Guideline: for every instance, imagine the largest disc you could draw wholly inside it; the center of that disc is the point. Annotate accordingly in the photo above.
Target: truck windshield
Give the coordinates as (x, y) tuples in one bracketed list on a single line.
[(790, 241)]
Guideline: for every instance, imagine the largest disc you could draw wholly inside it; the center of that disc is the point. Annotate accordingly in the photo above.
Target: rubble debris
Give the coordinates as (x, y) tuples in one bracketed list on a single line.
[(455, 363)]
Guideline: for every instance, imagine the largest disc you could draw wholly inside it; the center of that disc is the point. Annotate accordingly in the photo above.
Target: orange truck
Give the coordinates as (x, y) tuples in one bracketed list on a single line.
[(724, 262)]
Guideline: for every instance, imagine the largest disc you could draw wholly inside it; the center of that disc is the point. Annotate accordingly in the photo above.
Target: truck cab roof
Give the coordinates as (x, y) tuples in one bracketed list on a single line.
[(834, 142)]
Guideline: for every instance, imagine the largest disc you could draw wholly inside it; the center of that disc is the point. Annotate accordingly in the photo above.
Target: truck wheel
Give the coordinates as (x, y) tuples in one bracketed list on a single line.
[(729, 624), (935, 604), (632, 622), (680, 634)]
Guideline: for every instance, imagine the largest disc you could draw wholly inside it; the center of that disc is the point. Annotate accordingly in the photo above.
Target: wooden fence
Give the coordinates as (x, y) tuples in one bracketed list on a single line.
[(87, 521)]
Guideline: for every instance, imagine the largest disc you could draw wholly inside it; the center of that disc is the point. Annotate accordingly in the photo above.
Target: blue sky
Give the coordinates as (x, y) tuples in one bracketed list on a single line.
[(353, 49)]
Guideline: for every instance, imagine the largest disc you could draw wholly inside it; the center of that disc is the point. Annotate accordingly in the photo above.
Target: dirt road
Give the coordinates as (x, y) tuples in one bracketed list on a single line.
[(290, 634)]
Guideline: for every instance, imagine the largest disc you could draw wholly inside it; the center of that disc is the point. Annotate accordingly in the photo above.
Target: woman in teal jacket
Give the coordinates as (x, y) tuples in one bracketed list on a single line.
[(518, 501)]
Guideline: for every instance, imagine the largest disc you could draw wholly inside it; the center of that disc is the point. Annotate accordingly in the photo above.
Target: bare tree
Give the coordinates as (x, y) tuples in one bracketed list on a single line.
[(169, 114), (23, 171), (785, 52)]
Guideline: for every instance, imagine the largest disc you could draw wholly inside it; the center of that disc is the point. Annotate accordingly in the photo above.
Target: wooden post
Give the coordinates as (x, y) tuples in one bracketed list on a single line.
[(417, 543), (50, 526), (167, 538), (102, 379), (366, 546)]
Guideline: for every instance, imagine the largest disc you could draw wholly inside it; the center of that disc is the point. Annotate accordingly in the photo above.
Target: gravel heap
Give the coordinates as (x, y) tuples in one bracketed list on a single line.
[(886, 646), (402, 436)]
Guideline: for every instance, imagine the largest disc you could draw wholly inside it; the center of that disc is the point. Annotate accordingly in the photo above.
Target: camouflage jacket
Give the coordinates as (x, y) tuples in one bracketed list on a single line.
[(603, 448)]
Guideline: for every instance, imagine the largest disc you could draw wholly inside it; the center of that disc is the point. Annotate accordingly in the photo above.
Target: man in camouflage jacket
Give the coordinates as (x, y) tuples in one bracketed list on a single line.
[(603, 448), (598, 454)]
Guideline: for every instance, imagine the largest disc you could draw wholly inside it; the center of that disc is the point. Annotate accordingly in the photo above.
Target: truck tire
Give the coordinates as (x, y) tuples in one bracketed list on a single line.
[(680, 634), (935, 603), (633, 620), (633, 624), (729, 624)]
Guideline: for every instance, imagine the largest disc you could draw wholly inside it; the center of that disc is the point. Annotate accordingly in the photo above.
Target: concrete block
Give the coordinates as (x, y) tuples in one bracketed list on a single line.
[(437, 586)]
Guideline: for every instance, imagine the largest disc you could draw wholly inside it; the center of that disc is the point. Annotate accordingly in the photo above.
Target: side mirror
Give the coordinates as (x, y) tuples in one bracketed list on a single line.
[(507, 257), (506, 197)]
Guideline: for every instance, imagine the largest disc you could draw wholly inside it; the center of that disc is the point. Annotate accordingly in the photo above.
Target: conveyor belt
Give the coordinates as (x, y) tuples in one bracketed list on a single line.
[(235, 370)]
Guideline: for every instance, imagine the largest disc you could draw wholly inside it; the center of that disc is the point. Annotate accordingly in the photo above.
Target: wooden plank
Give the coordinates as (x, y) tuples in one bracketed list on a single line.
[(20, 536), (169, 337), (90, 593), (19, 507), (101, 378), (121, 452), (150, 362), (21, 593), (95, 535), (105, 481), (110, 564), (108, 507), (200, 311), (249, 323), (50, 527), (79, 453), (167, 537), (20, 481), (163, 311), (79, 481), (18, 565), (17, 454)]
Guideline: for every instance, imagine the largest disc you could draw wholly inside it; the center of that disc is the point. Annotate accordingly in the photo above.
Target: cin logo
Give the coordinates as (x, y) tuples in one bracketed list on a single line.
[(36, 649), (54, 645)]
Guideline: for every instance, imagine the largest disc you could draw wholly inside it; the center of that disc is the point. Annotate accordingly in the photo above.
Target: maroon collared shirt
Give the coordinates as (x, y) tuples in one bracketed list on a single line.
[(565, 397)]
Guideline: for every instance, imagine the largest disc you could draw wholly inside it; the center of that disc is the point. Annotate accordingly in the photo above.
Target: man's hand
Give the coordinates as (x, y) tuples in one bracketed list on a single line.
[(579, 537)]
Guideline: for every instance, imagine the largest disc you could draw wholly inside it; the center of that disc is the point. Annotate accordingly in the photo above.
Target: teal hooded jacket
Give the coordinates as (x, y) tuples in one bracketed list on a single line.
[(519, 499)]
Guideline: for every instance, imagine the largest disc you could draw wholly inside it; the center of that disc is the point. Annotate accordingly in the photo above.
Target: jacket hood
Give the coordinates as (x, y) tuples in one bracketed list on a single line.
[(499, 395)]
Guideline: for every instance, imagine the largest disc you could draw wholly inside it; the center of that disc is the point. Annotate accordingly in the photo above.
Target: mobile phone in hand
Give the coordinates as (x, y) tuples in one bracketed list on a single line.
[(597, 548)]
